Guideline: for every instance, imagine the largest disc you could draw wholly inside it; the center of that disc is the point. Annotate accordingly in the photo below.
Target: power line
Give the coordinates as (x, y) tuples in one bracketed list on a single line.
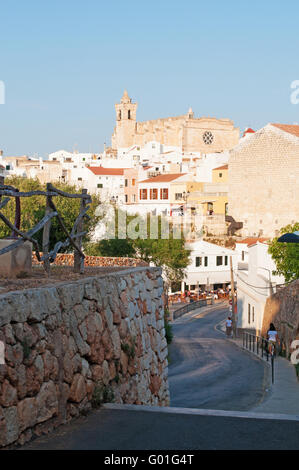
[(258, 287)]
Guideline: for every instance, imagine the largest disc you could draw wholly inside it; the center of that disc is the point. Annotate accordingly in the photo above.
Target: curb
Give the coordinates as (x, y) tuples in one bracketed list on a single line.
[(201, 412)]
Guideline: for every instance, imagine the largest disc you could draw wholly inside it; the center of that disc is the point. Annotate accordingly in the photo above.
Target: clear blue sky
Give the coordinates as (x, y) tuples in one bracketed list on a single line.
[(65, 64)]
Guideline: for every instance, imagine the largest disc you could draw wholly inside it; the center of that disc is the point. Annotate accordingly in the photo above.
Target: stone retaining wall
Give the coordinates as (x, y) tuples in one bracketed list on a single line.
[(282, 309), (67, 259), (70, 344)]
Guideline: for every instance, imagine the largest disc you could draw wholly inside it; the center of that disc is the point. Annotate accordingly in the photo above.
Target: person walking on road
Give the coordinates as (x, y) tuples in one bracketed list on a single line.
[(272, 337), (229, 327)]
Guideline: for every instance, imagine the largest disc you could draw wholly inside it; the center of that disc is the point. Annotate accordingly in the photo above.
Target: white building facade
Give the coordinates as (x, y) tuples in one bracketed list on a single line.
[(209, 266), (154, 193), (255, 283)]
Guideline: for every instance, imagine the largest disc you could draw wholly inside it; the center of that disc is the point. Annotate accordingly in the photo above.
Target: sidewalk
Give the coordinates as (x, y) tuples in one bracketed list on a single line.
[(283, 395)]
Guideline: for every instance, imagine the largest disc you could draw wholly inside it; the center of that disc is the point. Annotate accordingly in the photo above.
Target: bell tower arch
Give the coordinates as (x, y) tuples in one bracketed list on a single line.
[(125, 129)]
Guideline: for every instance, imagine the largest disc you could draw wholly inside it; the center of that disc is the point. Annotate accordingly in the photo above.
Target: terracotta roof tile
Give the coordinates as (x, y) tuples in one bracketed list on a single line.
[(252, 240), (290, 128), (99, 170), (163, 178), (248, 131), (224, 167)]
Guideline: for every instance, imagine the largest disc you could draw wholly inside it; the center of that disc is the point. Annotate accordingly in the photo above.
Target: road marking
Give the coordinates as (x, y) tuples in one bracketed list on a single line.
[(222, 322), (202, 412)]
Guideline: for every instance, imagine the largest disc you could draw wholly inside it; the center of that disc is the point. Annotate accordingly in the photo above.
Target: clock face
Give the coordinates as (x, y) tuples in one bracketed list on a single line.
[(208, 137)]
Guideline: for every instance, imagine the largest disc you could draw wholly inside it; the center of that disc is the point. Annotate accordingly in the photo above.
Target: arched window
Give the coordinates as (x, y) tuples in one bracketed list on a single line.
[(129, 114), (119, 115)]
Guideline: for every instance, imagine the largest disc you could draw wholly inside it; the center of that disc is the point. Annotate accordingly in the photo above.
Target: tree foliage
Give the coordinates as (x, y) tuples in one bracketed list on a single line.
[(286, 255), (33, 210), (115, 248), (168, 253)]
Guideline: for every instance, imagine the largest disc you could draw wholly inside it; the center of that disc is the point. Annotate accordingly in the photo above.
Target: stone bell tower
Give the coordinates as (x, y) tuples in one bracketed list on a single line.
[(125, 129)]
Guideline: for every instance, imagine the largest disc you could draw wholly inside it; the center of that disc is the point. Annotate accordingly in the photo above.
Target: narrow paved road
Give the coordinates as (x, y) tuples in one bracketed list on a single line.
[(209, 371), (138, 430), (206, 371)]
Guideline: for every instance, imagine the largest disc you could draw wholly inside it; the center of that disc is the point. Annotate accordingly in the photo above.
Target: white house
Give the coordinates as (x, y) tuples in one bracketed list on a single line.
[(151, 151), (207, 163), (2, 171), (75, 160), (255, 282), (209, 266), (242, 247), (154, 193), (108, 183)]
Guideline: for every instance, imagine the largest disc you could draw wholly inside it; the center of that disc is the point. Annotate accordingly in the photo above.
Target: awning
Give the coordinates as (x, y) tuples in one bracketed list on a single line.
[(289, 238)]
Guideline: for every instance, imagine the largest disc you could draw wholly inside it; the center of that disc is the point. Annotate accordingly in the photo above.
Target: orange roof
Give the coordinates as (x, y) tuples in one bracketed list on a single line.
[(290, 128), (99, 170), (252, 240), (163, 178), (224, 167), (248, 131)]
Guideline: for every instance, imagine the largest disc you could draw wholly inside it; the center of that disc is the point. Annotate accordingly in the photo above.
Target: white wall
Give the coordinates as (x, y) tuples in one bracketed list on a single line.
[(254, 286), (207, 163), (215, 274)]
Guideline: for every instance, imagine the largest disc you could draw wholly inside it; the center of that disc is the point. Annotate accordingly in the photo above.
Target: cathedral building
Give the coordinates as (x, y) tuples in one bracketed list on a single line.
[(189, 134)]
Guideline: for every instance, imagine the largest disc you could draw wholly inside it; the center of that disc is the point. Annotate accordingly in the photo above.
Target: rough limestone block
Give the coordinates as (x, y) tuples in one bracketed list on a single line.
[(15, 261)]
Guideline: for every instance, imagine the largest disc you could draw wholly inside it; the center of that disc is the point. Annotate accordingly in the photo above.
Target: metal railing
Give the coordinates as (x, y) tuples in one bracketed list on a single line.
[(191, 306), (19, 237), (259, 346)]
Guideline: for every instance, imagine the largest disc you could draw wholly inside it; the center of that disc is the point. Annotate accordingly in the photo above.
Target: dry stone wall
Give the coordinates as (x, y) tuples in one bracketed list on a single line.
[(282, 309), (68, 345), (67, 259)]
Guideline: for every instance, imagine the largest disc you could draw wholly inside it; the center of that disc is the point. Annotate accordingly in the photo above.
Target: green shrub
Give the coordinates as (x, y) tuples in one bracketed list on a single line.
[(102, 394), (129, 349), (167, 326)]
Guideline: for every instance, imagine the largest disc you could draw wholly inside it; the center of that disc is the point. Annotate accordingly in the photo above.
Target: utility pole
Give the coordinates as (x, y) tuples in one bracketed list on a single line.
[(232, 283)]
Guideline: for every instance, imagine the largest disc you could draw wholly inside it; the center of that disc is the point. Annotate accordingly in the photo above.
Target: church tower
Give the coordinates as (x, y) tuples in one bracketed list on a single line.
[(125, 129)]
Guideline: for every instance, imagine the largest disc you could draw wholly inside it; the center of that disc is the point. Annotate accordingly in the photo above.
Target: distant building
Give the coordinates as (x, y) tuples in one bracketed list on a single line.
[(209, 266), (242, 247), (190, 134), (255, 283), (263, 180), (248, 131), (155, 193), (2, 171), (108, 183)]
